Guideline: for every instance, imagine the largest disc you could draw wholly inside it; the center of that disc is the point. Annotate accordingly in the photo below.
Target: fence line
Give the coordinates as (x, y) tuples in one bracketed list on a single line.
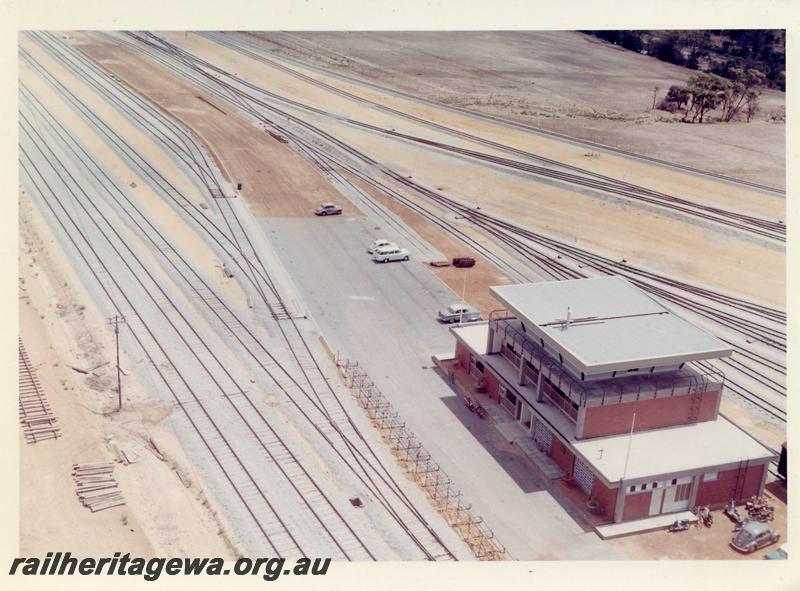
[(420, 465)]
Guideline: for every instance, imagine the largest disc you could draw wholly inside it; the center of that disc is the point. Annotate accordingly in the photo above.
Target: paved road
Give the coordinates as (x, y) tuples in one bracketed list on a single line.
[(382, 315)]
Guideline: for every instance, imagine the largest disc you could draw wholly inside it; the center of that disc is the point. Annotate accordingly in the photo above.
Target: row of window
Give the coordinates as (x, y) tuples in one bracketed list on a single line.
[(651, 485), (707, 477)]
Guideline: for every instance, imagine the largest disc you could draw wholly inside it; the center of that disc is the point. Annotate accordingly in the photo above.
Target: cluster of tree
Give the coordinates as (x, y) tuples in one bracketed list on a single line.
[(706, 92), (717, 52)]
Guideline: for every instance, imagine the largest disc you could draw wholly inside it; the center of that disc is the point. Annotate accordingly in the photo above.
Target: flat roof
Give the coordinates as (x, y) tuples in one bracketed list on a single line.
[(691, 447), (614, 325), (475, 335)]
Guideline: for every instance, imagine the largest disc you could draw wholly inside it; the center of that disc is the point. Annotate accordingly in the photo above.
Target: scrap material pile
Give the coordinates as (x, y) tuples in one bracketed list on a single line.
[(96, 487)]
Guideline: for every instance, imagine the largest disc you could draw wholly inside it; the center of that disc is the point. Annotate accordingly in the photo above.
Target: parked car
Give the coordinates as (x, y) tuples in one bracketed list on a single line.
[(781, 553), (380, 243), (754, 535), (383, 254), (459, 313), (328, 209)]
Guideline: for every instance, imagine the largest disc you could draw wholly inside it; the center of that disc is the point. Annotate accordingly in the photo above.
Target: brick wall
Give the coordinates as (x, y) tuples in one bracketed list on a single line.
[(637, 505), (612, 419), (606, 496), (462, 354), (718, 492), (492, 385), (562, 455)]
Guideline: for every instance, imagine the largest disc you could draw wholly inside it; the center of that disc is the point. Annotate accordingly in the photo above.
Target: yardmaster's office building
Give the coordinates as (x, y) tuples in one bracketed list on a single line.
[(599, 374)]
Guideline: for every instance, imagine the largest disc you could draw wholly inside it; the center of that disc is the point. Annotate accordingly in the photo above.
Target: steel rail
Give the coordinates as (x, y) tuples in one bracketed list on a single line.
[(379, 494)]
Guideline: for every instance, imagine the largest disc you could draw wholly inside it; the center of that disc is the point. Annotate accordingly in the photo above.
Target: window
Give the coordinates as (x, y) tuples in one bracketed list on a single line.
[(655, 485), (644, 486), (634, 369), (632, 488), (683, 491), (479, 366), (710, 476), (674, 481)]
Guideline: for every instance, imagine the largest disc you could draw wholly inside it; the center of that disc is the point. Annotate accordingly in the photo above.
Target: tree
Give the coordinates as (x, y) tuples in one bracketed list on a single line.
[(745, 88), (707, 91), (751, 100), (667, 50), (677, 98), (655, 92)]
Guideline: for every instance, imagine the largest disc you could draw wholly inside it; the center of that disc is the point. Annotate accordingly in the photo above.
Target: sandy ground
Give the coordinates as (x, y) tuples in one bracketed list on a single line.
[(275, 180), (656, 178), (61, 327), (649, 238), (560, 80), (701, 543)]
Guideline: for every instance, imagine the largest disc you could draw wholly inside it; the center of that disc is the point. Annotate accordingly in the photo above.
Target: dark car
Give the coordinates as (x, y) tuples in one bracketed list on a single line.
[(754, 535), (328, 209)]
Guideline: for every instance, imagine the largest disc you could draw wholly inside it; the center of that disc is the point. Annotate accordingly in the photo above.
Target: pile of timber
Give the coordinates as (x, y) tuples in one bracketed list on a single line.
[(37, 419), (96, 487)]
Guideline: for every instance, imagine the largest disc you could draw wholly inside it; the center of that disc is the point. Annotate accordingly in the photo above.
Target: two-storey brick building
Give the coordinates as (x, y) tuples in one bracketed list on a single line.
[(600, 375)]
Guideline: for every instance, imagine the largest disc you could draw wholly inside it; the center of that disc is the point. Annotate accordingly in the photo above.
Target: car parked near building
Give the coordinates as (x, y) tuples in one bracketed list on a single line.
[(459, 313), (384, 254), (753, 536), (328, 209), (781, 553), (380, 243)]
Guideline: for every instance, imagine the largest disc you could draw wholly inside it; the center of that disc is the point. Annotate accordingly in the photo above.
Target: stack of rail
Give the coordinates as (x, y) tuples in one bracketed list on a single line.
[(38, 421), (95, 486)]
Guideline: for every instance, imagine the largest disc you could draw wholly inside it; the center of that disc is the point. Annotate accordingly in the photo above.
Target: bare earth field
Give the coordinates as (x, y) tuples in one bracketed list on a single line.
[(562, 81)]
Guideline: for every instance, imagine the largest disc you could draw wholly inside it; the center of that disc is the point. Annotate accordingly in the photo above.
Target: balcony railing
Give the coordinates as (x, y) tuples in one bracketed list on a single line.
[(518, 348)]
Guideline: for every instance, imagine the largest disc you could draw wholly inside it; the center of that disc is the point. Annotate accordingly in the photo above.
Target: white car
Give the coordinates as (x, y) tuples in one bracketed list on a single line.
[(328, 209), (380, 243), (384, 254), (459, 313)]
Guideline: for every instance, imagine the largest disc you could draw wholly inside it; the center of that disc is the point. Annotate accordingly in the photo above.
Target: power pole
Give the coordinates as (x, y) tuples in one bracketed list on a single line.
[(116, 321), (463, 298)]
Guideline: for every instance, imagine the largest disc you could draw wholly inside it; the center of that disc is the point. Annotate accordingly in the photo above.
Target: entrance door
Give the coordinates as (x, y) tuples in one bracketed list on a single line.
[(526, 416), (677, 496), (655, 501)]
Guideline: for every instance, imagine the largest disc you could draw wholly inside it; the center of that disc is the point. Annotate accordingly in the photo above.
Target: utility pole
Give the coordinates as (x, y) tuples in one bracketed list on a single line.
[(116, 321), (463, 298)]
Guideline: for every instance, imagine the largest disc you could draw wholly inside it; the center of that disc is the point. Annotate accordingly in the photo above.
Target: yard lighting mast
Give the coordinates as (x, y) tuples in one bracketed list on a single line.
[(463, 298)]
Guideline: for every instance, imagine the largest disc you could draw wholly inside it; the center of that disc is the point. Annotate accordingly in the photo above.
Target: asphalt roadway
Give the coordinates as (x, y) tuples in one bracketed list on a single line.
[(383, 316)]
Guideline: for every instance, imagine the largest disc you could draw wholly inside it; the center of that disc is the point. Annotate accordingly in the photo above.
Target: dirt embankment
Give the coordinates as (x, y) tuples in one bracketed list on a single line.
[(166, 511), (276, 181)]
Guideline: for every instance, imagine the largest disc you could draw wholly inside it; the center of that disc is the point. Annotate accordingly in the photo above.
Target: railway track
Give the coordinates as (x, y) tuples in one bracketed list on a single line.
[(510, 123), (373, 472), (35, 415), (752, 321), (568, 175)]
